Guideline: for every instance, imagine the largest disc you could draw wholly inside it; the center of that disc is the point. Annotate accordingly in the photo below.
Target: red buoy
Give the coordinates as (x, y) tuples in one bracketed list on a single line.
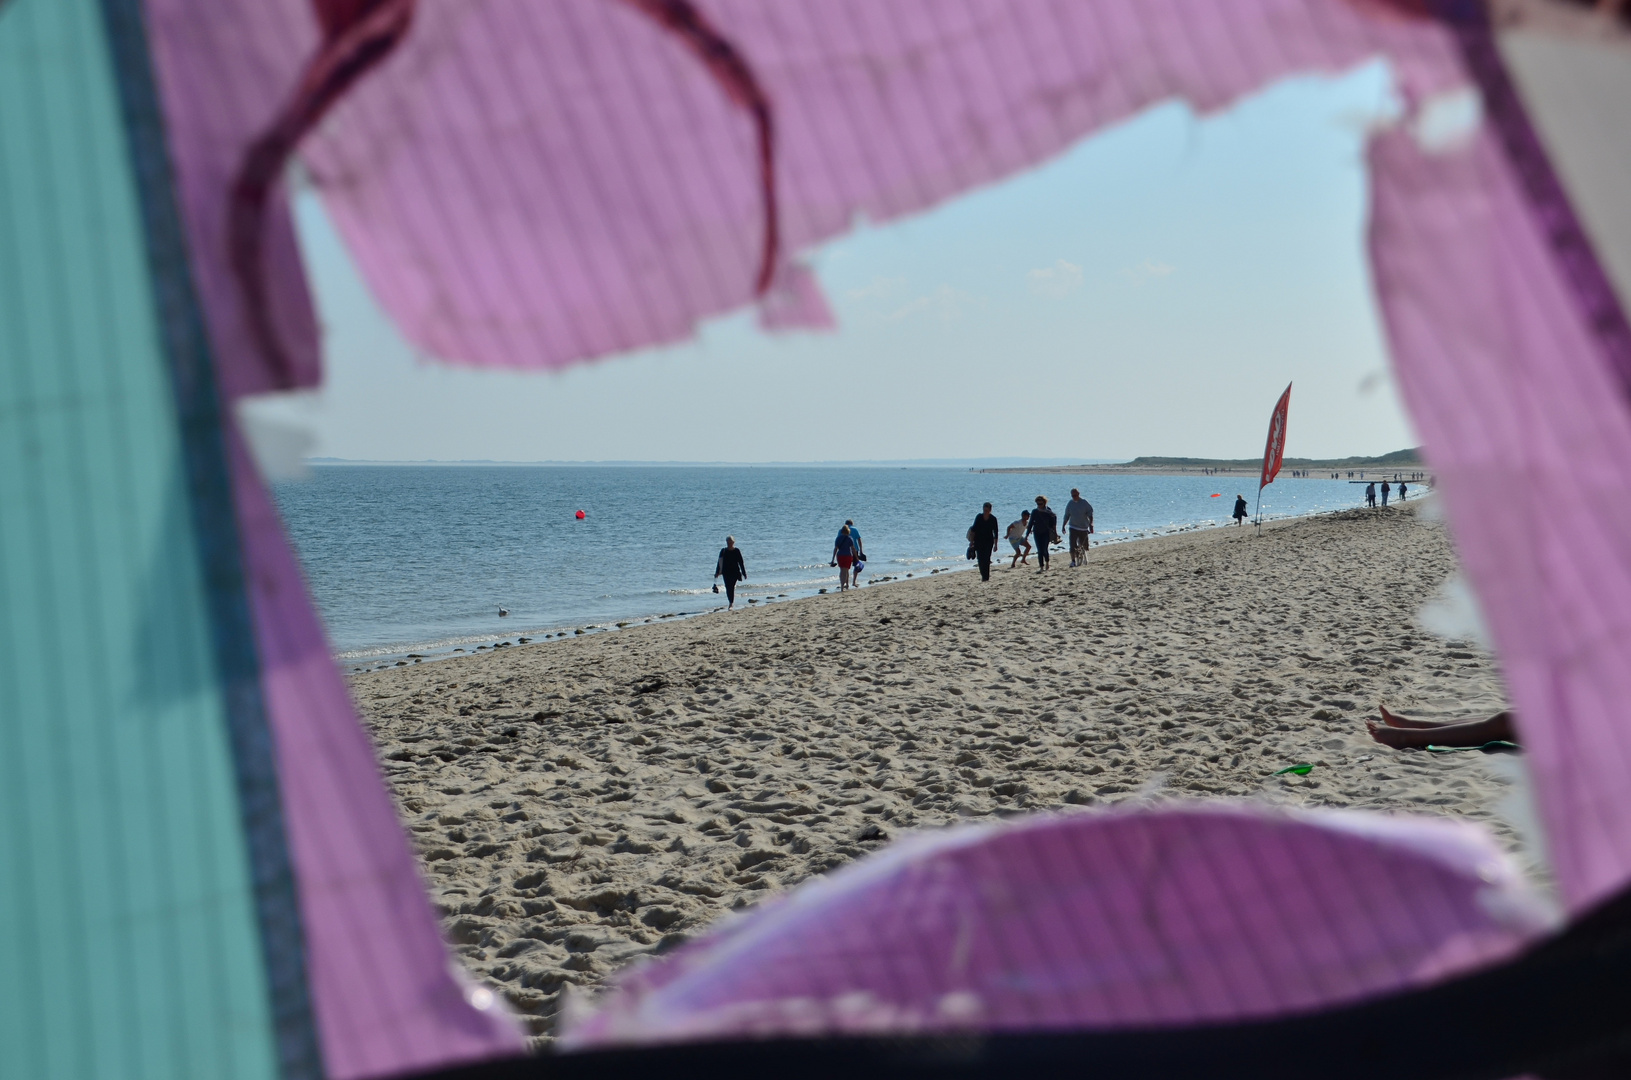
[(581, 515)]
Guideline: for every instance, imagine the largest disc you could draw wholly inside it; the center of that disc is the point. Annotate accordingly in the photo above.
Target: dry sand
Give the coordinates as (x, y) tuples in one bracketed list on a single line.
[(580, 802)]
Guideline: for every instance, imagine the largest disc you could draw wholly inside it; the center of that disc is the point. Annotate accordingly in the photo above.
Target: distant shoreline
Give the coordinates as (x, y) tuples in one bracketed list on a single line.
[(1315, 472), (1400, 463)]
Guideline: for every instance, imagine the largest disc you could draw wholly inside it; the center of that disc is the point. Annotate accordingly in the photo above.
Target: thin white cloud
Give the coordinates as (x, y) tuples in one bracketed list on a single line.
[(879, 288), (1060, 279), (945, 304), (1148, 270)]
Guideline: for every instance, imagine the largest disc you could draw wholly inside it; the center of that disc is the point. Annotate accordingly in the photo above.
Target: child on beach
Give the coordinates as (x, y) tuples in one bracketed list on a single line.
[(1017, 539)]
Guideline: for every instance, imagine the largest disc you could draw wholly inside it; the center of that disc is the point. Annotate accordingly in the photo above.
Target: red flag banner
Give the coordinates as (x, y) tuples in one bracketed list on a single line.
[(1275, 451)]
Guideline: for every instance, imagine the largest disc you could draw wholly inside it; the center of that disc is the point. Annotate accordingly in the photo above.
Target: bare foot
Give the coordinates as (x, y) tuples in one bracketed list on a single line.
[(1396, 737), (1396, 721)]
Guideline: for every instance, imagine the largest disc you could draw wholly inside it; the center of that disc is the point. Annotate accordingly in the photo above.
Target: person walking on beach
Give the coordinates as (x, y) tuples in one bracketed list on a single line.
[(1017, 540), (1370, 494), (1045, 527), (843, 557), (1078, 526), (1240, 509), (730, 567), (983, 535), (1403, 490), (1386, 487), (860, 553)]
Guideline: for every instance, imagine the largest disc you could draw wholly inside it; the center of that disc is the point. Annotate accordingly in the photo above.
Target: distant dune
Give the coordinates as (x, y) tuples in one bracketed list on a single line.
[(1398, 461)]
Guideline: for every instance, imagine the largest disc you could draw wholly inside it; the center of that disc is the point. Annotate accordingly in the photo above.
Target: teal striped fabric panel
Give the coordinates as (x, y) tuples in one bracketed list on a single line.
[(128, 939)]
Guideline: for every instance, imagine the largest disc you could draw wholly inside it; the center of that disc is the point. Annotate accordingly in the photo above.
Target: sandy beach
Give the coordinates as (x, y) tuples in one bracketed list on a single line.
[(581, 802)]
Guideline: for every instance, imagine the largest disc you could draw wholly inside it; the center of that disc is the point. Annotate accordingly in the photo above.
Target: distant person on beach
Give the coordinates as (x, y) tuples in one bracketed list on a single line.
[(983, 535), (1018, 541), (1079, 526), (1400, 732), (860, 552), (1045, 527), (1240, 509), (730, 567), (1370, 494), (843, 557), (1386, 487), (1404, 490)]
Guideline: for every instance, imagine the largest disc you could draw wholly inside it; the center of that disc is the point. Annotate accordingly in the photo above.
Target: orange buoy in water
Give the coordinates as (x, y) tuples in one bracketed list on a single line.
[(581, 515), (1215, 495)]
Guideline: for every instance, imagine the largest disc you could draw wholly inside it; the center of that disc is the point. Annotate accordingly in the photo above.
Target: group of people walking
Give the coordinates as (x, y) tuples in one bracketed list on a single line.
[(848, 555), (1036, 529), (1370, 492)]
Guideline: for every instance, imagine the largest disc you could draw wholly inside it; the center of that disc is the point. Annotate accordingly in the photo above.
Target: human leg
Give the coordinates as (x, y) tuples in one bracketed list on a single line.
[(984, 555), (730, 592), (1399, 732), (1041, 555)]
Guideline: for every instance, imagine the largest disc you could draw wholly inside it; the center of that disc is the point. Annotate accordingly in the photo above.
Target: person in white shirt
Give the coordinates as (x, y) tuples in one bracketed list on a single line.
[(1018, 540)]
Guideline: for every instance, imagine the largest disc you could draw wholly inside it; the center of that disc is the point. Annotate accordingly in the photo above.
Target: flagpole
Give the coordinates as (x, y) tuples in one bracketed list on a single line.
[(1259, 509)]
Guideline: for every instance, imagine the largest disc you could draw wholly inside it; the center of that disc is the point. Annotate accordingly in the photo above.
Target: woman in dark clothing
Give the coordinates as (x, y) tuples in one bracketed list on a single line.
[(1240, 509), (731, 567), (1044, 526), (983, 535)]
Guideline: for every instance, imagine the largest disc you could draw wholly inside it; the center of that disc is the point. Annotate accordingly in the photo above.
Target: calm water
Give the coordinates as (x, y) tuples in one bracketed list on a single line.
[(420, 559)]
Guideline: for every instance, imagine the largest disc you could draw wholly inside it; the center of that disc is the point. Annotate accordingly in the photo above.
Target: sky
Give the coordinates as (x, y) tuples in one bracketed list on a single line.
[(1150, 291)]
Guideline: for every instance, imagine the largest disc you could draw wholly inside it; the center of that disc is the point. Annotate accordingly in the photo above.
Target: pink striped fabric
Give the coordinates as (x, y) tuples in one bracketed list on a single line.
[(536, 182), (1529, 431), (533, 182), (1204, 914), (387, 996)]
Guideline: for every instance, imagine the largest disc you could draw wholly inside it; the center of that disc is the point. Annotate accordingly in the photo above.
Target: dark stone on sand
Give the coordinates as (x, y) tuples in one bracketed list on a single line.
[(401, 663), (522, 640), (577, 631)]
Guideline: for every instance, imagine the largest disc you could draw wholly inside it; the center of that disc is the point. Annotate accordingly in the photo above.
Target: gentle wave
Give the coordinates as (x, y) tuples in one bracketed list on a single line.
[(421, 560)]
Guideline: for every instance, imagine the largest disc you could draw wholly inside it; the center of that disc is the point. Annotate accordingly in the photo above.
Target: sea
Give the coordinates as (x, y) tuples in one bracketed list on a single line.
[(414, 562)]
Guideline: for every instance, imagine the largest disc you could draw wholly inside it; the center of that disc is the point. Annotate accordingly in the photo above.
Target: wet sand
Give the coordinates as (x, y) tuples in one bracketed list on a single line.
[(581, 802)]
